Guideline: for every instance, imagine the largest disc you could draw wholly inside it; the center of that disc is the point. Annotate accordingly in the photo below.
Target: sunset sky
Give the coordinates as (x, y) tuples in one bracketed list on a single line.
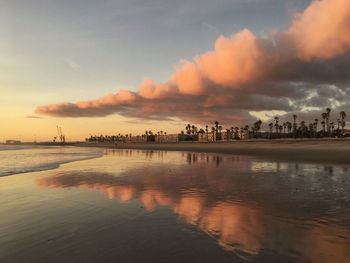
[(121, 66)]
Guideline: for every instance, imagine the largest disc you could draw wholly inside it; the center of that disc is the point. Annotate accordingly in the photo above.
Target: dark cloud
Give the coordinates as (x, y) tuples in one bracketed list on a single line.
[(33, 117)]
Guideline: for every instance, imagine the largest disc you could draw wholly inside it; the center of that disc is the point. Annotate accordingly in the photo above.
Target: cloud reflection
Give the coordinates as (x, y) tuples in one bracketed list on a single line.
[(214, 204)]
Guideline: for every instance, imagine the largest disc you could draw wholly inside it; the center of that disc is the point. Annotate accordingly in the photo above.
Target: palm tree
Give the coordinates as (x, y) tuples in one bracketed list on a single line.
[(228, 134), (311, 129), (303, 128), (206, 131), (217, 129), (314, 129), (280, 128), (220, 129), (324, 118), (188, 129), (271, 127), (246, 132), (276, 123), (200, 133), (316, 124), (257, 126), (343, 122), (193, 129), (182, 137), (323, 126), (295, 124), (328, 112), (331, 128), (236, 132), (289, 126), (213, 130), (338, 129), (232, 132)]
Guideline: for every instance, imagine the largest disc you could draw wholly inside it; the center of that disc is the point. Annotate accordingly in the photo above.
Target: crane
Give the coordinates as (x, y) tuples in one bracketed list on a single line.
[(61, 136)]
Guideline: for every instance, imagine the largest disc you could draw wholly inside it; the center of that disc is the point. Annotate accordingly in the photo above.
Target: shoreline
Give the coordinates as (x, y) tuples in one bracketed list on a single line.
[(326, 151)]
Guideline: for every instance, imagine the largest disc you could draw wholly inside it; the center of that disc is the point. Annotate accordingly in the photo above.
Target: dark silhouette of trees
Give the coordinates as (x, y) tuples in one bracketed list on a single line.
[(276, 124), (256, 128), (276, 129)]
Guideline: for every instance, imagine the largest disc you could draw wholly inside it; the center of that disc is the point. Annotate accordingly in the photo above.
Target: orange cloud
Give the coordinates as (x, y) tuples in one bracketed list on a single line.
[(188, 79), (234, 61), (322, 31), (150, 90)]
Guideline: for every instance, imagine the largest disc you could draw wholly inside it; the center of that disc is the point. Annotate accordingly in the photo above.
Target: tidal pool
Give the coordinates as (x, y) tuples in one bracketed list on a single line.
[(158, 206)]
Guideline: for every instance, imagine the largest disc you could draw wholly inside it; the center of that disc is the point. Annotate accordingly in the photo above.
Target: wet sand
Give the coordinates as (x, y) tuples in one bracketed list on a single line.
[(331, 151)]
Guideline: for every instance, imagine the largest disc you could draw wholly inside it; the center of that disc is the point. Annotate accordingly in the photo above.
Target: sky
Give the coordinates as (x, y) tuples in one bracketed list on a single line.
[(126, 66)]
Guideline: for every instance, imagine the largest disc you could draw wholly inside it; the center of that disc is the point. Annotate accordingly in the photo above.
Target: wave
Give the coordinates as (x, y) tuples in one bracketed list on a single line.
[(15, 160)]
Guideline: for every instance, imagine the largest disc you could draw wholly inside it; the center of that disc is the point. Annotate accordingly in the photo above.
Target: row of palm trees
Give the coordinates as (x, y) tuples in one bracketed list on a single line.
[(108, 138), (277, 129), (329, 128), (147, 136)]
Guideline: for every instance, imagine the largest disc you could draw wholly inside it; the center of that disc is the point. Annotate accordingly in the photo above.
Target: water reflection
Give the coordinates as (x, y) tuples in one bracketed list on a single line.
[(189, 157), (248, 206), (236, 226)]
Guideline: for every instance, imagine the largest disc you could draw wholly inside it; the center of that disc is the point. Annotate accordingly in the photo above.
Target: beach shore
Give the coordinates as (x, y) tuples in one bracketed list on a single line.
[(308, 150)]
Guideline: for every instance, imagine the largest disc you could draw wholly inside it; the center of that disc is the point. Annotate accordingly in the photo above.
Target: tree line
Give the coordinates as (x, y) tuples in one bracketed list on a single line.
[(325, 127)]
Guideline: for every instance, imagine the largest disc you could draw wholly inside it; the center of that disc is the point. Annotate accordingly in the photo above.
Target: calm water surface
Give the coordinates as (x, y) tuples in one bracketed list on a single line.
[(144, 206)]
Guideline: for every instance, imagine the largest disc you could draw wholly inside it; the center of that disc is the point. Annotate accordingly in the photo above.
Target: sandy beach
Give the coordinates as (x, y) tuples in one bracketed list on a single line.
[(320, 151)]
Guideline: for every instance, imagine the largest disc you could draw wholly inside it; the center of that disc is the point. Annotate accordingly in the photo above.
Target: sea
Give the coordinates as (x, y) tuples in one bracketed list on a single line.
[(71, 204)]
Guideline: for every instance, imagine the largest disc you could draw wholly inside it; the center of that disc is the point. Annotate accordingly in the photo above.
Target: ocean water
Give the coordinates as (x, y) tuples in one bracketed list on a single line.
[(16, 159), (159, 206)]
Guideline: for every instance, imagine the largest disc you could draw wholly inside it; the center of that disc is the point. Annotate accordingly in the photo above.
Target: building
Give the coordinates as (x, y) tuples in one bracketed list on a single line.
[(207, 137), (166, 138), (13, 142), (223, 136)]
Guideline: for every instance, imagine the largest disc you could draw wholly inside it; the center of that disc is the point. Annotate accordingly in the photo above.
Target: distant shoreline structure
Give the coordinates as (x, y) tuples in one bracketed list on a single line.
[(13, 142)]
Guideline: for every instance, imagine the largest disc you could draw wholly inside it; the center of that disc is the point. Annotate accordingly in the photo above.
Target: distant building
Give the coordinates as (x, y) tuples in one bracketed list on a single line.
[(224, 136), (207, 137), (244, 135), (13, 142), (165, 138), (139, 138), (161, 138)]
